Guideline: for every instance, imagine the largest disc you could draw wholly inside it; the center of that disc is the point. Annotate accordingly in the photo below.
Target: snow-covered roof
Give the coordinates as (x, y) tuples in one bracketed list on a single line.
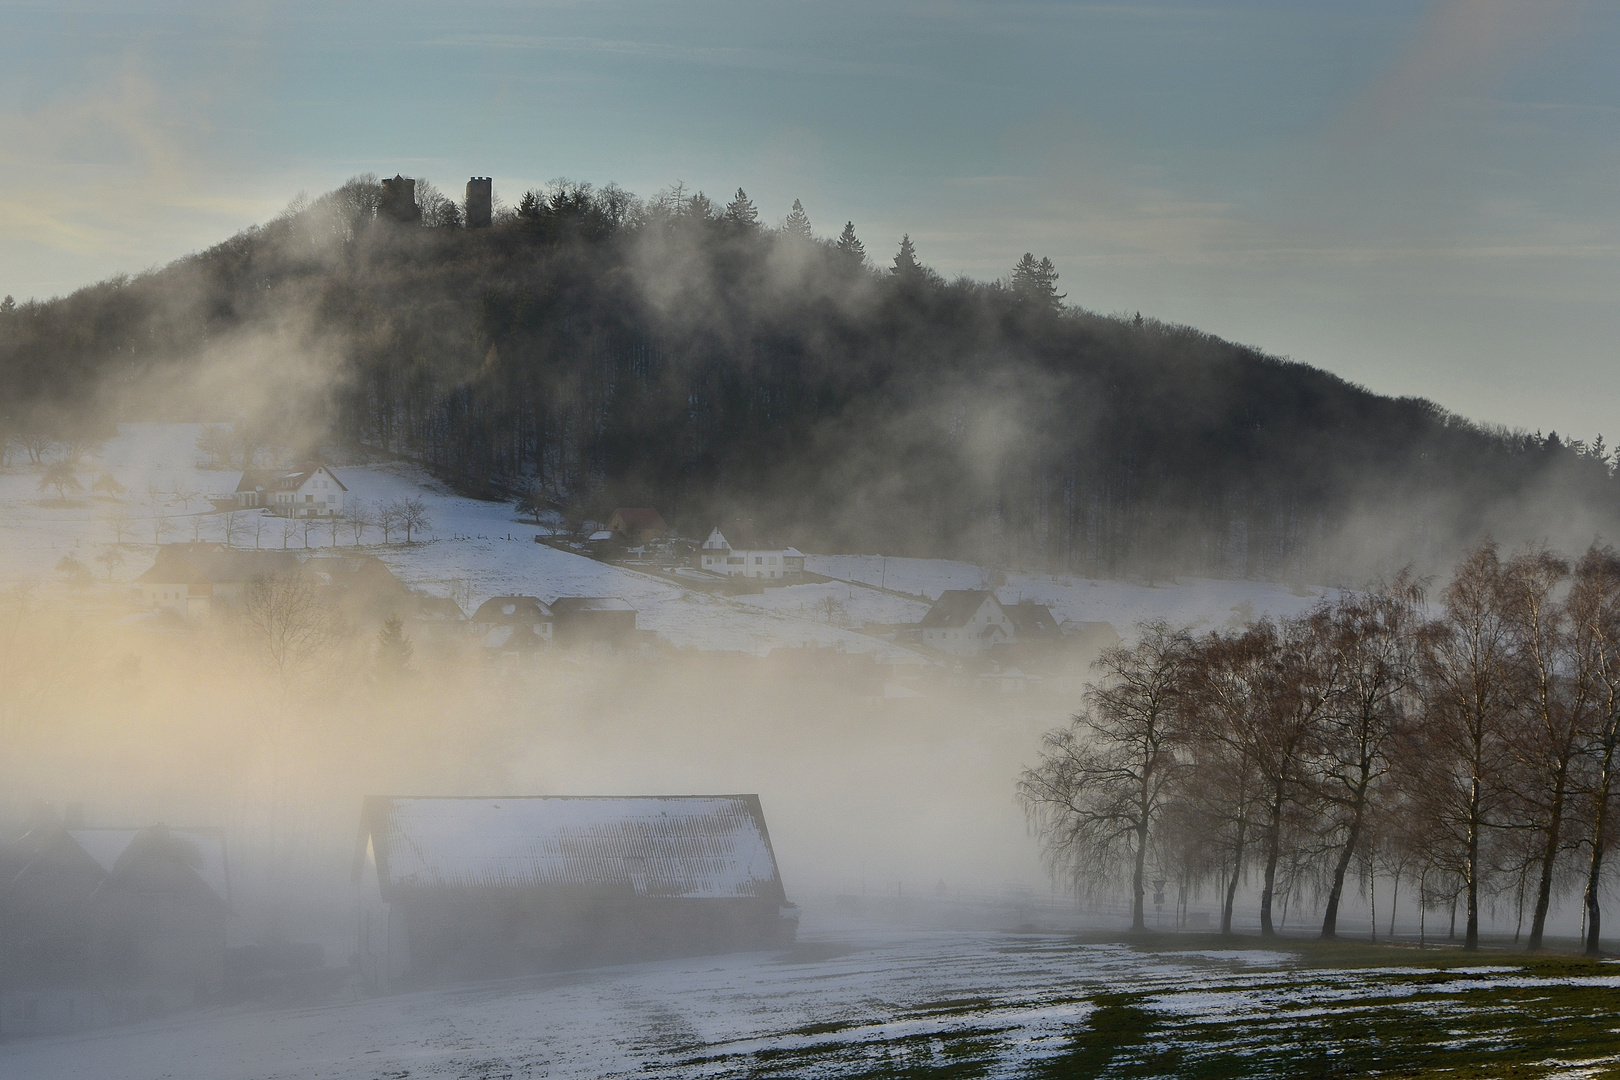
[(285, 479), (690, 846), (573, 605), (511, 611), (744, 537)]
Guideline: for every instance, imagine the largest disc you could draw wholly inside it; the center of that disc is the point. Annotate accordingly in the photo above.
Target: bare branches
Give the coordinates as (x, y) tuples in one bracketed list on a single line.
[(1475, 751)]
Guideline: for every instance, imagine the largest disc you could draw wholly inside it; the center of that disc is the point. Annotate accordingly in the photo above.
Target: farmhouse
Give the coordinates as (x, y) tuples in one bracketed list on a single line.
[(111, 925), (740, 552), (483, 886), (195, 580), (635, 525), (513, 626), (1032, 622), (966, 622), (306, 491), (364, 591)]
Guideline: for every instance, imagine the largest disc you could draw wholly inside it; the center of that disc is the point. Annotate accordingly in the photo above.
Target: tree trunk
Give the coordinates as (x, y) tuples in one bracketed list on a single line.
[(1231, 886), (1273, 844), (1594, 870), (1471, 935), (1549, 856), (1330, 920), (1138, 915)]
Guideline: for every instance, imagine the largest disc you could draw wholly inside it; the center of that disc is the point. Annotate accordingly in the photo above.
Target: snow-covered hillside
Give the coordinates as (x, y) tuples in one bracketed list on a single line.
[(473, 550)]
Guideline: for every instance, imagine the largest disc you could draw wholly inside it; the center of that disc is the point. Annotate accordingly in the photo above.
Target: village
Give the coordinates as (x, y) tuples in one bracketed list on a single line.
[(407, 587)]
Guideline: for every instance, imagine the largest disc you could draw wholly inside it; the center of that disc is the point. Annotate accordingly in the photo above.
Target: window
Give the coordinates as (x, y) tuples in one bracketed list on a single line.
[(758, 559), (735, 560)]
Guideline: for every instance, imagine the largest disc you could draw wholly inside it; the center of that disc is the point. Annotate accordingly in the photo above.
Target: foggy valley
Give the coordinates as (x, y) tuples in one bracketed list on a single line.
[(495, 628)]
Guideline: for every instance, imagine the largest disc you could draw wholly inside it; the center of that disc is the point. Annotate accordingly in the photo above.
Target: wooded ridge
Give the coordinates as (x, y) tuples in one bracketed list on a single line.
[(607, 350)]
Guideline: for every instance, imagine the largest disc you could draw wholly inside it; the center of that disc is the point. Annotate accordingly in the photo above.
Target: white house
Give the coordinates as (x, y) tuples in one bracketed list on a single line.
[(966, 622), (749, 556), (305, 491)]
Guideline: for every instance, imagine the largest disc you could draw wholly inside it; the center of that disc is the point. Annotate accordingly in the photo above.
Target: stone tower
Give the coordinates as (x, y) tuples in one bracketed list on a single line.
[(399, 200), (480, 202)]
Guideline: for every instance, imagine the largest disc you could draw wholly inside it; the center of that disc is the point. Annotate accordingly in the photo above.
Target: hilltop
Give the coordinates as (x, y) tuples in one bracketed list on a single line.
[(599, 350)]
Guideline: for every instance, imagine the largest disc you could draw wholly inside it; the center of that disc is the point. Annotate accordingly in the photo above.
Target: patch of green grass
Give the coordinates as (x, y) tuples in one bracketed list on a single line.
[(1118, 1025), (1325, 1012)]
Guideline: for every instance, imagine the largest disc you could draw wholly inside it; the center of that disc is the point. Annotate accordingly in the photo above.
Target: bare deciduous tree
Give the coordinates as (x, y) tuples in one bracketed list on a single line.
[(1372, 632), (388, 518), (414, 517), (1103, 781), (357, 515), (1594, 610), (288, 621), (1457, 762)]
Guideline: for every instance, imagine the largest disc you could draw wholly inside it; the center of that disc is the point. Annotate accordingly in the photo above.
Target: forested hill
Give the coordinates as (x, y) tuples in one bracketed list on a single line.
[(672, 353)]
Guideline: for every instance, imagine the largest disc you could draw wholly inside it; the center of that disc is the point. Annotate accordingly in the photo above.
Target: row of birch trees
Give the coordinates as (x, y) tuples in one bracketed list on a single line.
[(1465, 742)]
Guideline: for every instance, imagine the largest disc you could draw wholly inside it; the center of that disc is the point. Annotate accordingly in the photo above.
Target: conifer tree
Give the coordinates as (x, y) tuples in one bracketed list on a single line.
[(905, 261), (850, 245), (1036, 282), (741, 210), (394, 649), (798, 222)]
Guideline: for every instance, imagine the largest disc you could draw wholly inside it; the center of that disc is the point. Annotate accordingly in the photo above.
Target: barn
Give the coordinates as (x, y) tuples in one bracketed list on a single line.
[(108, 925), (481, 887)]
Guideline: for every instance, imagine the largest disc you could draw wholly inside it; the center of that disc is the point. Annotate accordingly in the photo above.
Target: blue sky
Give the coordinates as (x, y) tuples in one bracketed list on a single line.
[(1420, 197)]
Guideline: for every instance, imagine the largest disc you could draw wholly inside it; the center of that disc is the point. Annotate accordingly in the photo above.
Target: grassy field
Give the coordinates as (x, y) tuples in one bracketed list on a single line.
[(1299, 1009)]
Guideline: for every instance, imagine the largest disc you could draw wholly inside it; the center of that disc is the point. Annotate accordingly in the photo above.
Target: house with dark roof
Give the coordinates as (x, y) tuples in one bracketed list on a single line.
[(364, 591), (464, 887), (195, 580), (1032, 622), (738, 550), (966, 622), (307, 490), (111, 925), (636, 525), (585, 620)]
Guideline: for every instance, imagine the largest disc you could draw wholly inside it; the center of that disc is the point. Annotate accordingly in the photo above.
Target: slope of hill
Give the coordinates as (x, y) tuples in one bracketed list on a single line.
[(475, 549), (606, 351)]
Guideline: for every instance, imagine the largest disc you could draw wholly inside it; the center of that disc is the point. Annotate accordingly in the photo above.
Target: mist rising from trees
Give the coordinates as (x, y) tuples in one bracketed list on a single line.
[(1468, 751), (594, 349)]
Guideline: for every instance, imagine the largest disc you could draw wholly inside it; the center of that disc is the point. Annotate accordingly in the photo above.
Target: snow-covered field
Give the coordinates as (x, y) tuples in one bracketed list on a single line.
[(475, 549), (870, 1001)]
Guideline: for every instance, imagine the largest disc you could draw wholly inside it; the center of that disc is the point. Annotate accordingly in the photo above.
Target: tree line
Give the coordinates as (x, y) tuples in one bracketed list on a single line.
[(605, 349), (1464, 743)]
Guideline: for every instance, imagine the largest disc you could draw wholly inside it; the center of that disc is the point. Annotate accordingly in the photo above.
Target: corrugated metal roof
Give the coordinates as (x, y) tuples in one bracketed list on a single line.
[(687, 846)]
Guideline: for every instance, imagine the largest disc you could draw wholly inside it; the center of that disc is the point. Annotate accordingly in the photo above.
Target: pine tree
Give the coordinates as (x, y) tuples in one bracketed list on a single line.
[(394, 649), (850, 245), (798, 222), (741, 210), (906, 265), (1036, 282)]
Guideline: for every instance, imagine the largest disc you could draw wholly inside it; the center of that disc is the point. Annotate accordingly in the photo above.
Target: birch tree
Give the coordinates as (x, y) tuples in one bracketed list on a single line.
[(1103, 781)]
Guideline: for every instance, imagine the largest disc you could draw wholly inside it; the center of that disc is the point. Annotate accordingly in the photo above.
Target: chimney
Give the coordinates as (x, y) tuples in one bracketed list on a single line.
[(480, 202)]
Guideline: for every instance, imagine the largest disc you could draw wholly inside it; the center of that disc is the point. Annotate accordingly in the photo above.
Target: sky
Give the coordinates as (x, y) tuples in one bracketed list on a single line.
[(1420, 197)]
